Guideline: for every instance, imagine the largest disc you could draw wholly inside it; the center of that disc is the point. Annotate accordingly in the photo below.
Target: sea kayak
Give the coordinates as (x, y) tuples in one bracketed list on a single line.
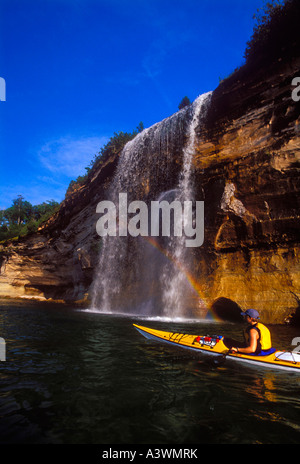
[(213, 345)]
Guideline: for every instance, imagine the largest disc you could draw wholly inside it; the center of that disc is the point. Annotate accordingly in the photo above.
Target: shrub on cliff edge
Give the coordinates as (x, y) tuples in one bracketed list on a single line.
[(276, 33)]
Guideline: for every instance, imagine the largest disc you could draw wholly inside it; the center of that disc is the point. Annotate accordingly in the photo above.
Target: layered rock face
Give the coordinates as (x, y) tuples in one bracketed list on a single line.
[(245, 168), (58, 261)]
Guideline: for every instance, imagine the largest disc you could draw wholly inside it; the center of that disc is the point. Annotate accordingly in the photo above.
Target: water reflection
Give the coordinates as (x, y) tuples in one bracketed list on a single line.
[(262, 387), (77, 377)]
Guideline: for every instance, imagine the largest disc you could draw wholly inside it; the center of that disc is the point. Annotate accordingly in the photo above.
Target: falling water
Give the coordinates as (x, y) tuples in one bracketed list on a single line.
[(176, 287), (136, 275)]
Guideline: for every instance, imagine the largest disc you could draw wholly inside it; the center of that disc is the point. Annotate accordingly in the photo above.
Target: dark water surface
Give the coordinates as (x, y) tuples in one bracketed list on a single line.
[(74, 377)]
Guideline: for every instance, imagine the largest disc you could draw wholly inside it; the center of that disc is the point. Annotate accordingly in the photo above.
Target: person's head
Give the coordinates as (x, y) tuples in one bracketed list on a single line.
[(251, 315)]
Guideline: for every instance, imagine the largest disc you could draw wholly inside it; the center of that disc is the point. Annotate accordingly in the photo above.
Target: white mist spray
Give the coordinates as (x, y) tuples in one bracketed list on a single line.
[(132, 276), (174, 280)]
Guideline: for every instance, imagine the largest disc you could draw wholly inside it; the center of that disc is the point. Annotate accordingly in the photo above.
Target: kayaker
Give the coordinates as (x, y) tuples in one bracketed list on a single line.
[(257, 336)]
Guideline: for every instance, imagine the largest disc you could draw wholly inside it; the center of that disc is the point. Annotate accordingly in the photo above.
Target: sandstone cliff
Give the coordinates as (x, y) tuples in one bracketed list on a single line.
[(247, 165), (246, 169)]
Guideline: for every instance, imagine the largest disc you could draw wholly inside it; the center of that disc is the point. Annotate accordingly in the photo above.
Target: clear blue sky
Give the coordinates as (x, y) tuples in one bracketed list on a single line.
[(77, 71)]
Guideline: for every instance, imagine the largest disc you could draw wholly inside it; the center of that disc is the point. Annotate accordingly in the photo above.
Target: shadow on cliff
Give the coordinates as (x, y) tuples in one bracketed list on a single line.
[(294, 319), (225, 309)]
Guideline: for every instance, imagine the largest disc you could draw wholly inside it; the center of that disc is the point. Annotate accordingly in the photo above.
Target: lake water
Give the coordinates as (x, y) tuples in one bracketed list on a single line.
[(77, 377)]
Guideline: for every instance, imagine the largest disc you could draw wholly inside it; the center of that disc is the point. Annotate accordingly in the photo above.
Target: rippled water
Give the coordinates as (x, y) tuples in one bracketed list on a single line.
[(73, 376)]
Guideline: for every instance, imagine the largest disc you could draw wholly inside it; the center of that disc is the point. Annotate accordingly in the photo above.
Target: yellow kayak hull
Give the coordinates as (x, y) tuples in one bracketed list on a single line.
[(206, 345)]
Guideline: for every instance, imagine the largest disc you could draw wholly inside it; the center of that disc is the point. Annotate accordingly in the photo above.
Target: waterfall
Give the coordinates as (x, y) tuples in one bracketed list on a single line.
[(176, 286), (138, 274)]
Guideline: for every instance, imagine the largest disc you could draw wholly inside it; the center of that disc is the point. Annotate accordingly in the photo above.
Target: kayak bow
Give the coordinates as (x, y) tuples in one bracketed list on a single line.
[(213, 345)]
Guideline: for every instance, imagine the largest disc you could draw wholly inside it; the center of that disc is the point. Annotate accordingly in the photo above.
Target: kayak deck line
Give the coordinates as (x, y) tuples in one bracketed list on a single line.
[(213, 345)]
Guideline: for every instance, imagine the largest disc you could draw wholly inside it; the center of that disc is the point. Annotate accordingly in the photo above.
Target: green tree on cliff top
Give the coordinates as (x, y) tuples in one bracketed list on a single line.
[(184, 102)]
